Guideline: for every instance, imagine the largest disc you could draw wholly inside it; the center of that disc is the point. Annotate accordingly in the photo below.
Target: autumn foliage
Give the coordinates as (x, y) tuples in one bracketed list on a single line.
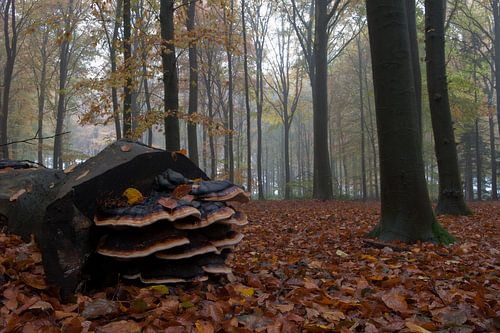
[(304, 266)]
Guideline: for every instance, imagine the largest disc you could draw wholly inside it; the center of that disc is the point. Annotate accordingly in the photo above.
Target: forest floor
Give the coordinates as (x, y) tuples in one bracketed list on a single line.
[(303, 266)]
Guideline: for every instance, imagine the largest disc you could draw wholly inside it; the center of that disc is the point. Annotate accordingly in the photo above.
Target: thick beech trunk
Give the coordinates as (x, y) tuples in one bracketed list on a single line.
[(451, 198), (406, 209)]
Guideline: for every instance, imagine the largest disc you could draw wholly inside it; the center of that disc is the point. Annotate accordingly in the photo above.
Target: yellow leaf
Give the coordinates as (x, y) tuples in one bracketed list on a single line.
[(369, 258), (246, 291), (133, 196), (316, 328), (162, 289)]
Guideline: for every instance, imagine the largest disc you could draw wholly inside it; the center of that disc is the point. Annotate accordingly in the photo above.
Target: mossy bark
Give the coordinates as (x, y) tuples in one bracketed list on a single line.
[(405, 205)]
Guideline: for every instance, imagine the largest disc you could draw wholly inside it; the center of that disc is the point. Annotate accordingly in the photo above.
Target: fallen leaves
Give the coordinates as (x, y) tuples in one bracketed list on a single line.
[(302, 267)]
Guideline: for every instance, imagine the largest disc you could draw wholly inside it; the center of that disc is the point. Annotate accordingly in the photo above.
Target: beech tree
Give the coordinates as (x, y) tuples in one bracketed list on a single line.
[(451, 198), (406, 209)]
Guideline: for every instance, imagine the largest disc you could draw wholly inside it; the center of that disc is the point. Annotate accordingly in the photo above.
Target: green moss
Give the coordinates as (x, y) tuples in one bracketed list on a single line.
[(441, 235), (375, 232)]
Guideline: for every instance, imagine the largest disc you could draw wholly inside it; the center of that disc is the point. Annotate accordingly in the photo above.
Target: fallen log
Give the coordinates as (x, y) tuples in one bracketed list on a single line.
[(173, 218), (26, 189)]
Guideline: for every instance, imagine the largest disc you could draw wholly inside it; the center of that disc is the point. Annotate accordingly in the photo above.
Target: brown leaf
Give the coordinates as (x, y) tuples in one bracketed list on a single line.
[(126, 148), (181, 191), (34, 281), (395, 301), (72, 325), (168, 203), (121, 326), (100, 308), (17, 194), (415, 328), (203, 326)]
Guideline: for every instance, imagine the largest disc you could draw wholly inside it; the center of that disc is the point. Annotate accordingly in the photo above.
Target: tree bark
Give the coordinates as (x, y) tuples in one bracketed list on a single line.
[(230, 94), (415, 59), (127, 55), (170, 83), (42, 92), (450, 200), (11, 53), (193, 84), (247, 99), (64, 55), (362, 122), (322, 171), (112, 57), (493, 155), (496, 19), (479, 163), (406, 209)]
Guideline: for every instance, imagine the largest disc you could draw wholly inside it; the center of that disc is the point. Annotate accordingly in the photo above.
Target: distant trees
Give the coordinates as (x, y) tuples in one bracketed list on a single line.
[(406, 210), (226, 81)]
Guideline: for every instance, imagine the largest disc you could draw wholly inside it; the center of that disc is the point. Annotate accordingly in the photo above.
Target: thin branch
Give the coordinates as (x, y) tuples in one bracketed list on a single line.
[(35, 138)]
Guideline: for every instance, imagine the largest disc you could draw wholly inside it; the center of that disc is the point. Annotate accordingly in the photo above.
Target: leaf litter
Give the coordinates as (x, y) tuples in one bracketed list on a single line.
[(303, 266)]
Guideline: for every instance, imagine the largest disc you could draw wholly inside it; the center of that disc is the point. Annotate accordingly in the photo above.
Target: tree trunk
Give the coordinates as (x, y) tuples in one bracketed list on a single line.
[(42, 92), (322, 172), (230, 95), (469, 189), (415, 60), (479, 163), (362, 122), (11, 53), (112, 58), (63, 78), (127, 55), (247, 99), (493, 155), (260, 102), (170, 84), (496, 19), (450, 199), (193, 84), (406, 209)]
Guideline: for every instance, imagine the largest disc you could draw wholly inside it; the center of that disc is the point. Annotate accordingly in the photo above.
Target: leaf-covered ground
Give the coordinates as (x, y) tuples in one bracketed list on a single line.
[(303, 266)]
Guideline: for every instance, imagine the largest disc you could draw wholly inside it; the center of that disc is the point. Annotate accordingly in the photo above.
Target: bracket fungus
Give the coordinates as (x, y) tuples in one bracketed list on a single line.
[(181, 231)]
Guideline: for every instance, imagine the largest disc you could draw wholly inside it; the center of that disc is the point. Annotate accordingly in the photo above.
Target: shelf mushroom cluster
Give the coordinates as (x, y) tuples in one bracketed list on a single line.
[(183, 231)]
